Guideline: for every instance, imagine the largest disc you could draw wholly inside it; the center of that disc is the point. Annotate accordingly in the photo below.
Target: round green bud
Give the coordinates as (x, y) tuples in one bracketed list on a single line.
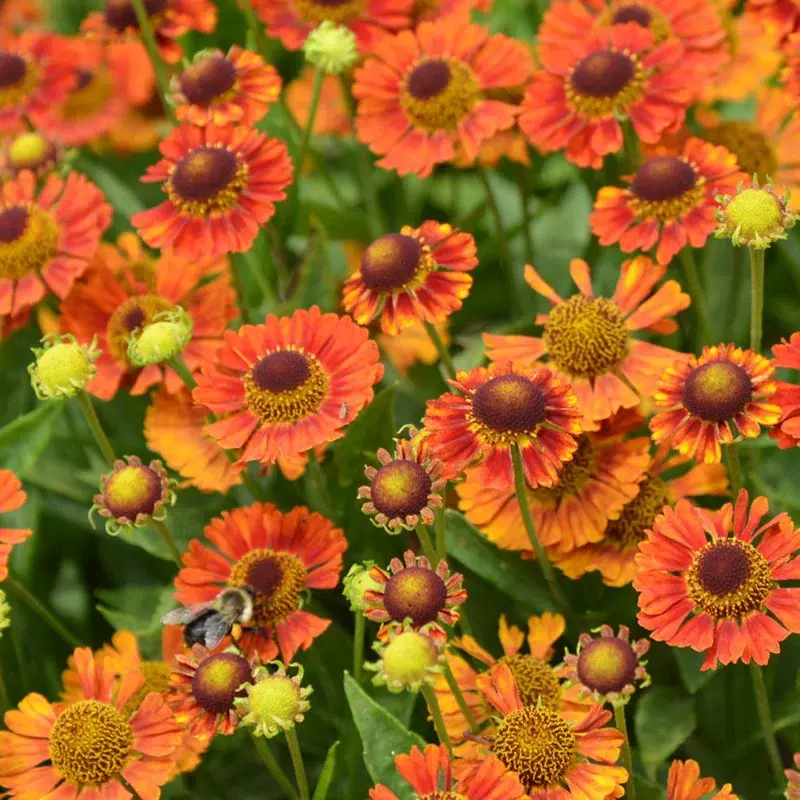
[(408, 659), (356, 582), (331, 48), (161, 340), (62, 367)]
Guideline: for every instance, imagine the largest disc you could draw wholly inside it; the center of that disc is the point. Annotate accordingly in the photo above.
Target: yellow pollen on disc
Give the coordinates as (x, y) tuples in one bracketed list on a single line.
[(586, 336), (14, 92), (638, 515), (132, 490), (133, 314), (754, 212), (443, 796), (753, 151), (156, 679), (338, 11), (664, 188), (605, 83), (28, 240), (96, 90), (90, 743), (536, 681)]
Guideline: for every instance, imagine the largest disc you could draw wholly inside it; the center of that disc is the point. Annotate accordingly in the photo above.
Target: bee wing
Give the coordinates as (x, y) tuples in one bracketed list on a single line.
[(183, 616), (216, 629)]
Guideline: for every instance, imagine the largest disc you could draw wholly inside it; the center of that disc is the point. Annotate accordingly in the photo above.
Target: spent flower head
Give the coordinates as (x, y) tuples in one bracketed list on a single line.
[(62, 367), (162, 339), (274, 701), (331, 48), (408, 660), (358, 581)]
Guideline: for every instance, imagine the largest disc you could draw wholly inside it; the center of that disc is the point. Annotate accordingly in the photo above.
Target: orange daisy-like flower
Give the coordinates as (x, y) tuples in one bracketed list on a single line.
[(712, 580), (170, 19), (614, 555), (416, 275), (429, 91), (125, 289), (703, 397), (553, 756), (582, 93), (412, 345), (47, 237), (412, 590), (332, 117), (593, 488), (589, 342), (684, 783), (509, 144), (430, 775), (20, 14), (60, 750), (221, 183), (11, 498), (289, 384), (669, 203), (292, 20), (501, 407), (787, 397), (217, 88), (36, 74), (781, 18), (278, 556), (793, 780), (422, 10)]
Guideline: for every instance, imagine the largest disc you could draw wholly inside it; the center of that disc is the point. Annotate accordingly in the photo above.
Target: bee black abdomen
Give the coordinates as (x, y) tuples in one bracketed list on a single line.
[(195, 631)]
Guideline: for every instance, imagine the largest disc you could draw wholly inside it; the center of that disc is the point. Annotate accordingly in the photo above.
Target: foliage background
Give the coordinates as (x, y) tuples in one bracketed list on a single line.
[(98, 584)]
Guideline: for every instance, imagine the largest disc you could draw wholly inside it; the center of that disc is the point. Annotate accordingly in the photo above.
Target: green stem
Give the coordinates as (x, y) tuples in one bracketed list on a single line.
[(316, 93), (441, 348), (630, 145), (271, 763), (41, 611), (163, 531), (734, 469), (85, 403), (459, 696), (318, 479), (544, 562), (358, 646), (427, 544), (256, 270), (297, 763), (255, 28), (436, 713), (250, 483), (184, 373), (441, 532), (5, 703), (159, 67), (764, 717), (627, 756), (128, 788), (756, 298), (524, 194), (695, 288)]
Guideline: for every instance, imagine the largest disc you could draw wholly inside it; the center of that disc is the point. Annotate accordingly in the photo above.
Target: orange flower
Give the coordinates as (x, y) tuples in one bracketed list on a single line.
[(684, 783), (779, 17), (430, 90), (712, 581), (278, 556), (11, 498), (787, 397), (217, 88), (553, 756), (222, 185), (289, 384), (703, 397), (669, 203), (292, 20), (332, 118), (588, 339), (496, 408), (416, 275), (36, 74), (59, 750), (593, 488), (509, 144), (430, 775), (47, 237), (20, 14), (613, 556), (170, 20), (173, 428), (582, 93), (125, 288), (412, 345)]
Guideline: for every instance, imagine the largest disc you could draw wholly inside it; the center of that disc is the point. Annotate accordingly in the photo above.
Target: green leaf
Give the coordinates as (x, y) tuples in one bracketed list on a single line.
[(326, 776), (23, 440), (504, 570), (136, 608), (125, 202), (665, 718), (689, 663), (382, 736)]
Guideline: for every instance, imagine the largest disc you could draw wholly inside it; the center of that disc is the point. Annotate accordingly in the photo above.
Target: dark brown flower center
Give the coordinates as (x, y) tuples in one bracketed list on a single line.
[(120, 14), (217, 679), (281, 371), (509, 403), (607, 664), (400, 489), (205, 81), (723, 570), (12, 68), (663, 178), (632, 13), (429, 79), (604, 73), (717, 391), (205, 172), (390, 262), (416, 593), (13, 222)]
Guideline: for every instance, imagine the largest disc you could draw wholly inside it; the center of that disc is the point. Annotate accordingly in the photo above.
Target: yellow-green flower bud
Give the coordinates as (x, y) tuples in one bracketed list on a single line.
[(31, 150), (162, 339), (356, 582), (409, 660), (331, 48), (276, 701), (63, 367)]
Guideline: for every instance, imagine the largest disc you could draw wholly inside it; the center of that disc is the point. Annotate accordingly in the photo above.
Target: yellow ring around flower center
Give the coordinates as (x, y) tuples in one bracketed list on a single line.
[(665, 188), (605, 83), (337, 11), (18, 78), (643, 14), (28, 240)]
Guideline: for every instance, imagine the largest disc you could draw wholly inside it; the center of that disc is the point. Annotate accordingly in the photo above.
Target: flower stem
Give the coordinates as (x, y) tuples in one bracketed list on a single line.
[(734, 469), (427, 544), (41, 611), (544, 562), (271, 763), (85, 403), (256, 270), (441, 348), (318, 479), (358, 646), (436, 713), (184, 373), (460, 699), (524, 195), (128, 788), (163, 531), (756, 298), (441, 533), (255, 28), (297, 763), (627, 756), (316, 93), (695, 287), (159, 67), (764, 717)]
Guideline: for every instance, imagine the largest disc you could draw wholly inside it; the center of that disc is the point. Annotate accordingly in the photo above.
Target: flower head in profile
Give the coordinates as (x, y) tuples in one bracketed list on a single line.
[(408, 660), (274, 701), (714, 581), (703, 399), (684, 783), (62, 367), (670, 202), (589, 340), (430, 775), (221, 183), (278, 557), (431, 91), (30, 150), (787, 397), (219, 88), (289, 384), (12, 497), (60, 749)]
